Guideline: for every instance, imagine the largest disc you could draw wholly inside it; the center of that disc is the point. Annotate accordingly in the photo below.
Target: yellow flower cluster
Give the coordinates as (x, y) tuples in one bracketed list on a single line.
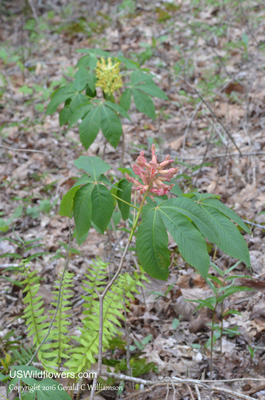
[(108, 76)]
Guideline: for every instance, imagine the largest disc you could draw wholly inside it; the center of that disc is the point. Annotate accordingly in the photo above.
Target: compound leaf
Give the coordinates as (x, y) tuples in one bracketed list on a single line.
[(144, 103), (152, 245), (89, 127), (94, 166), (110, 126), (82, 208), (190, 242), (102, 206)]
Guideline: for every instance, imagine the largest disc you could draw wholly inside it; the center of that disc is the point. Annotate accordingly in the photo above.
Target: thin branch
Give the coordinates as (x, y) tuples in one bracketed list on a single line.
[(254, 224), (212, 113), (258, 153), (232, 393), (30, 2), (24, 150), (198, 392)]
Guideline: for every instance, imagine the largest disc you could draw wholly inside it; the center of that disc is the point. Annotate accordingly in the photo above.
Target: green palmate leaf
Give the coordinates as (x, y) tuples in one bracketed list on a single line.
[(98, 52), (187, 207), (89, 127), (152, 90), (79, 113), (82, 208), (59, 97), (141, 76), (78, 100), (202, 196), (65, 115), (126, 98), (230, 239), (190, 242), (91, 84), (128, 63), (117, 109), (102, 206), (94, 166), (214, 203), (83, 180), (83, 61), (66, 205), (152, 245), (125, 194), (110, 126), (144, 103), (81, 77)]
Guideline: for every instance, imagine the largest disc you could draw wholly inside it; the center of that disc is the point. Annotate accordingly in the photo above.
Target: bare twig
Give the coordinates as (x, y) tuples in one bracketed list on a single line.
[(254, 224), (30, 2), (24, 150), (212, 113), (232, 393), (258, 153), (190, 123), (198, 392)]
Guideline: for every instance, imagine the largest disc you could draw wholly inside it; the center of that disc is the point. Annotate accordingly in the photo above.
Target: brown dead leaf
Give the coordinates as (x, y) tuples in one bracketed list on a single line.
[(234, 87)]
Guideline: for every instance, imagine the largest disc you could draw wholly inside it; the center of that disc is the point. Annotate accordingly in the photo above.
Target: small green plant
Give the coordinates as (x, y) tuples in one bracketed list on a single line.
[(82, 101), (222, 287)]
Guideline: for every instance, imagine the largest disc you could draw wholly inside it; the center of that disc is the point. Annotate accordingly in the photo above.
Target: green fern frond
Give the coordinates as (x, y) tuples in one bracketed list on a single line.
[(36, 321), (56, 348), (34, 311), (120, 293), (23, 355)]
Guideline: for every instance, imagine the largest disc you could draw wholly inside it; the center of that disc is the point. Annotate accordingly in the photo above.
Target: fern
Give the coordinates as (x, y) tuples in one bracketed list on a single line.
[(122, 290), (34, 312), (23, 355), (57, 344)]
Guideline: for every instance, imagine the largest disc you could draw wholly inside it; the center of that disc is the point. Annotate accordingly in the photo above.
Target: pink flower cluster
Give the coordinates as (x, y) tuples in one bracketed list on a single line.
[(153, 173)]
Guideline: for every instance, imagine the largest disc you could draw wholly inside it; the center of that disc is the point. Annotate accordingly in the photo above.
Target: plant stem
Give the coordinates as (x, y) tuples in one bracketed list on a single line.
[(107, 288), (129, 204), (211, 355)]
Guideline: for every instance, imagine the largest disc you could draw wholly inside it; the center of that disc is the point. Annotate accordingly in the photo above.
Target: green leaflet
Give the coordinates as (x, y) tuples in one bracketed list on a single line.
[(94, 166), (81, 77), (89, 127), (192, 210), (126, 98), (214, 203), (59, 97), (141, 76), (102, 206), (66, 205), (152, 90), (65, 115), (78, 100), (82, 210), (190, 242), (79, 113), (115, 107), (152, 245), (231, 241), (83, 180), (110, 126), (144, 103), (125, 194)]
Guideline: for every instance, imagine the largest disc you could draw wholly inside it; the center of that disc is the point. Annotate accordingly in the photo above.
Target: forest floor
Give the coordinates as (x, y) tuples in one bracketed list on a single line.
[(209, 58)]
